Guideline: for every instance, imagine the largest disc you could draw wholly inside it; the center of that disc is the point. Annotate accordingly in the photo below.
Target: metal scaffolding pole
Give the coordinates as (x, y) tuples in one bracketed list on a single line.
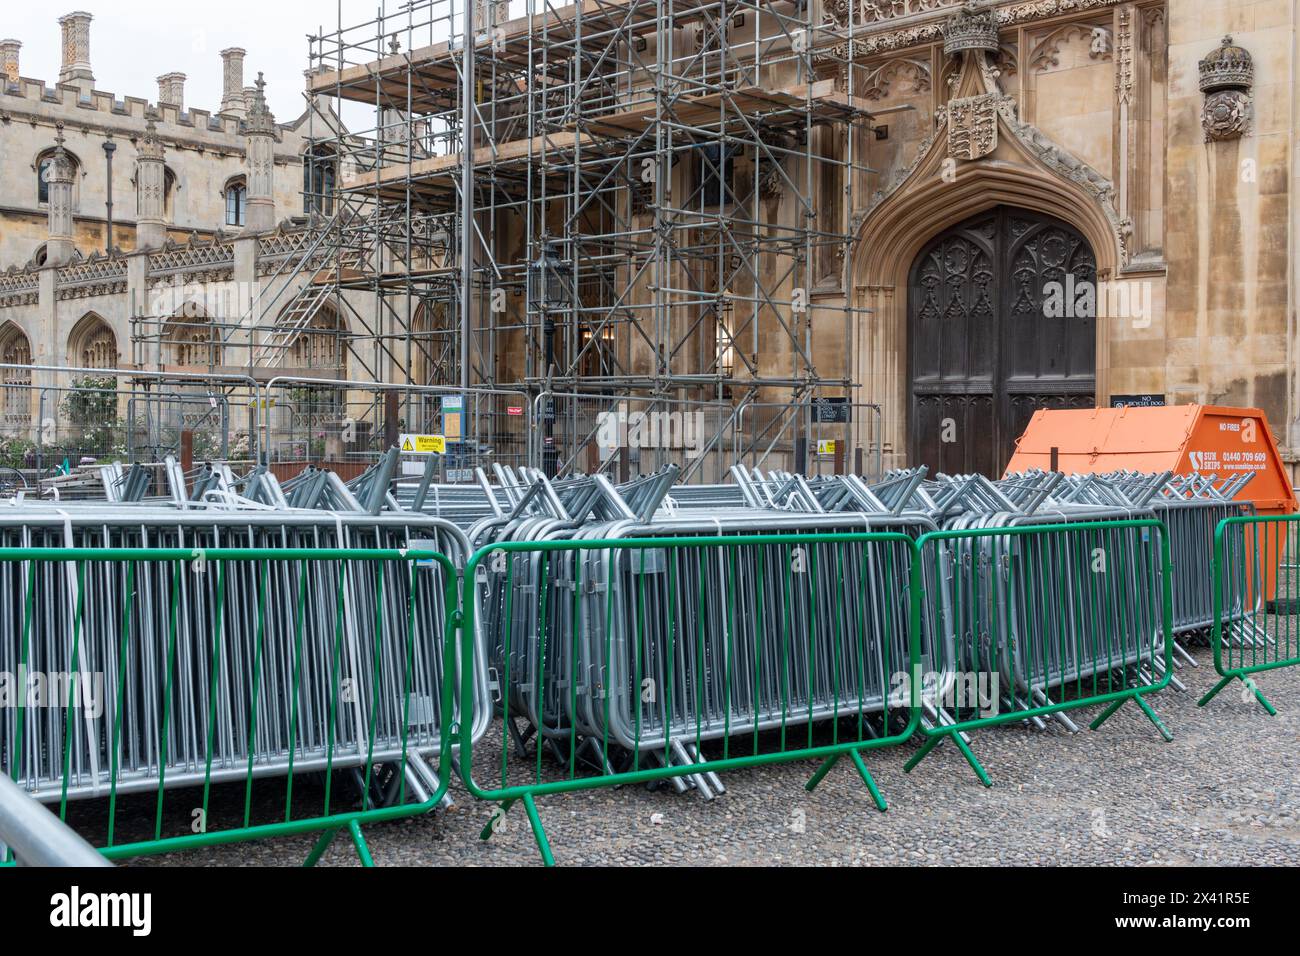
[(467, 197)]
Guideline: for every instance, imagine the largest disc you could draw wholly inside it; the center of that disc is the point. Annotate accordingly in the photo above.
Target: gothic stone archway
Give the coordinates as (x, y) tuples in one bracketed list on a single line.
[(984, 349), (924, 206)]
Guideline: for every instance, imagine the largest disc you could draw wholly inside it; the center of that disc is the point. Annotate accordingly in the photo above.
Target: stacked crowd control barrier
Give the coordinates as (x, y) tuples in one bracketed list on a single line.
[(218, 633), (1190, 506), (645, 632), (693, 617), (994, 586)]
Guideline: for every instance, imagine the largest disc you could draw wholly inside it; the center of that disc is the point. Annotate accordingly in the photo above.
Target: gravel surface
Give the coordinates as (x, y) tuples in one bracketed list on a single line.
[(1226, 791)]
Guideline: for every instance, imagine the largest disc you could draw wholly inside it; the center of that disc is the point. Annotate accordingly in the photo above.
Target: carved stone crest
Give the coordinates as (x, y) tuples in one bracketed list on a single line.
[(972, 126), (1226, 77), (1225, 115)]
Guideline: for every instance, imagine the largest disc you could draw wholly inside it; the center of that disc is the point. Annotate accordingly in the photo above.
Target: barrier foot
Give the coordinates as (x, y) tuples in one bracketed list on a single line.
[(1272, 711), (1151, 715), (323, 844), (1106, 714), (1215, 690), (972, 760), (922, 753), (359, 841), (538, 833), (869, 781), (822, 771), (1249, 682), (497, 816)]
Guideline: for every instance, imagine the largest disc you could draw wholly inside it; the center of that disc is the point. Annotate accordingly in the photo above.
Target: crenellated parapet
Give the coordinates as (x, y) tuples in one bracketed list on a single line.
[(29, 97)]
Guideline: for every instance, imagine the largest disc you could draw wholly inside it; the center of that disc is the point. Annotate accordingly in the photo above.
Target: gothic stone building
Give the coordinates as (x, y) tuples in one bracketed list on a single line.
[(201, 199), (1070, 202), (1145, 148)]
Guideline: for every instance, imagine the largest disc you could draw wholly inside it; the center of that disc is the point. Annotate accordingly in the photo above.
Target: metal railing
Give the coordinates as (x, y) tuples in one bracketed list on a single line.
[(181, 668), (1048, 618), (1256, 590), (271, 638), (636, 679), (305, 416)]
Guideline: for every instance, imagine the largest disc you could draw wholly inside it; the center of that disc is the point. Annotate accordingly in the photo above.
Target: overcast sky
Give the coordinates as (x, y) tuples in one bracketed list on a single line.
[(133, 42)]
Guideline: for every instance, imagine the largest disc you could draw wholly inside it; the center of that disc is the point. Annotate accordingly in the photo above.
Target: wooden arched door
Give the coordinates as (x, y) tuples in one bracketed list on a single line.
[(994, 334)]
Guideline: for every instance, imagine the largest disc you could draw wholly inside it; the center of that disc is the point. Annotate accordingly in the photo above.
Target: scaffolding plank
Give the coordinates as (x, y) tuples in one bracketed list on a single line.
[(519, 150), (707, 109), (433, 67)]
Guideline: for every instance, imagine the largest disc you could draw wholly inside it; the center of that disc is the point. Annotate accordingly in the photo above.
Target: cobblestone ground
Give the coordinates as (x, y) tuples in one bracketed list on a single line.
[(1226, 791)]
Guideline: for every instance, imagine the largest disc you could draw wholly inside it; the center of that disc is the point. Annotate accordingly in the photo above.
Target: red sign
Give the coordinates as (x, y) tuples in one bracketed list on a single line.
[(514, 409)]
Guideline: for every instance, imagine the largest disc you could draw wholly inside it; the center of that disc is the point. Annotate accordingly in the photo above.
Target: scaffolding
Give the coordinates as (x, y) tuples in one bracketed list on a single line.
[(647, 200)]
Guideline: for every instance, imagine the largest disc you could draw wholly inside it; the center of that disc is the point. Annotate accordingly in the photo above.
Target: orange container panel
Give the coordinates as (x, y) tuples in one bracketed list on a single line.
[(1209, 439)]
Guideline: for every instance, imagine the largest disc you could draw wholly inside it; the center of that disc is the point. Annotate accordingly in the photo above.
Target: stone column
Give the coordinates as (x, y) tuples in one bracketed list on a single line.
[(259, 162), (232, 82), (76, 50), (59, 244), (9, 59), (171, 90), (150, 198)]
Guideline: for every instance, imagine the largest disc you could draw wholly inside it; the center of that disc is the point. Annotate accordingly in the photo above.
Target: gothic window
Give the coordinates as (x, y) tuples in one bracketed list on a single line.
[(192, 339), (319, 170), (92, 344), (169, 192), (236, 203), (15, 376), (43, 163), (320, 344), (43, 181)]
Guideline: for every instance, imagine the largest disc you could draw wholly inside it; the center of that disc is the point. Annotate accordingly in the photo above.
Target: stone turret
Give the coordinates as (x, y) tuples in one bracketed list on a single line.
[(259, 161), (150, 190), (59, 177)]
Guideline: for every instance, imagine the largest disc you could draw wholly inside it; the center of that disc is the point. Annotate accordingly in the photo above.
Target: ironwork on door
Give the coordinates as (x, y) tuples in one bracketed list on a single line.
[(1001, 322)]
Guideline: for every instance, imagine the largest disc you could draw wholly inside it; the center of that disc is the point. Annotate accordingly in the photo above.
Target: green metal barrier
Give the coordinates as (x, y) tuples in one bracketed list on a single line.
[(1256, 600), (715, 627), (170, 616), (1046, 619), (635, 661)]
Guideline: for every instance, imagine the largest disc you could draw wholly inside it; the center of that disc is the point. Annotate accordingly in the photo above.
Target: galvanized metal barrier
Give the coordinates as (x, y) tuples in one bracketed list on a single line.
[(169, 668), (677, 657), (1256, 596), (643, 633), (1047, 618), (1191, 507)]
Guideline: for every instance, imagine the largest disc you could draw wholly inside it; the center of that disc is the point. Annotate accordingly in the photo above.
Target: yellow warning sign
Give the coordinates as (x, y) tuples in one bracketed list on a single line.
[(825, 446), (423, 444)]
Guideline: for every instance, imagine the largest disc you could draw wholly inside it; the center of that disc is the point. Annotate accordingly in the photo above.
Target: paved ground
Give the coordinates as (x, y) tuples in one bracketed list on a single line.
[(1226, 791)]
